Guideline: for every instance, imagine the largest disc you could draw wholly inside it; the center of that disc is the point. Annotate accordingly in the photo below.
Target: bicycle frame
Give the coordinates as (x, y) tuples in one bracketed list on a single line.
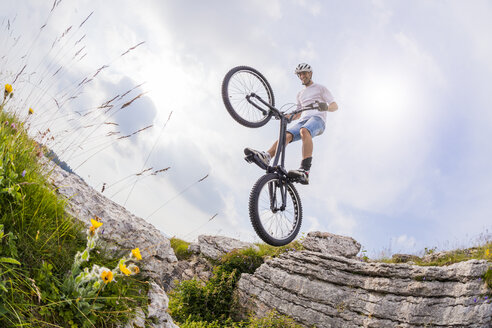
[(280, 152)]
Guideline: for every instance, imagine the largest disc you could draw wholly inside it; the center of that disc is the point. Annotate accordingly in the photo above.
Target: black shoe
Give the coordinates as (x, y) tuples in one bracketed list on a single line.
[(300, 175), (261, 158)]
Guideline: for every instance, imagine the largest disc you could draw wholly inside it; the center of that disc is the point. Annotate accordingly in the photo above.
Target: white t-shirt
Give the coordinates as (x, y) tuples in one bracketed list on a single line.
[(309, 95)]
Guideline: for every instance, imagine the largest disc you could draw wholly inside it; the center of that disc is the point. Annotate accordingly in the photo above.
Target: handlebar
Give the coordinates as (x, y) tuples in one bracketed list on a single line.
[(320, 106), (317, 105)]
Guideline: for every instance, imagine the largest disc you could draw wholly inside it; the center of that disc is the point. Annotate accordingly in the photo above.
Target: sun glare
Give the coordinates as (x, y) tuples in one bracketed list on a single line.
[(387, 98)]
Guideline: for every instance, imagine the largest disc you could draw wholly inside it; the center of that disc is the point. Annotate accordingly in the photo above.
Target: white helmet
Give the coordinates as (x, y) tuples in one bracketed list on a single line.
[(303, 67)]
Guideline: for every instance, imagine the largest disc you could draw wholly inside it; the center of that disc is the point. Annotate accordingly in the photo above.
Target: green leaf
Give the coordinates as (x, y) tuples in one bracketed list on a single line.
[(9, 260), (85, 255), (2, 287)]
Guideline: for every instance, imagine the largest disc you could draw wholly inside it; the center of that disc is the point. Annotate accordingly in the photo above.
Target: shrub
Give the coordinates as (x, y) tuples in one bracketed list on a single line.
[(243, 261), (197, 301)]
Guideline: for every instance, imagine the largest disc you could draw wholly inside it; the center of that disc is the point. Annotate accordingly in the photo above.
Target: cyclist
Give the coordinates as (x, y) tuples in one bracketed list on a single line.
[(310, 124)]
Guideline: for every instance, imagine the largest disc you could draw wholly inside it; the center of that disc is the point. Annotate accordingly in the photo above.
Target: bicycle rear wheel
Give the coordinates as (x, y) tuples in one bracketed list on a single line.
[(244, 81), (275, 222)]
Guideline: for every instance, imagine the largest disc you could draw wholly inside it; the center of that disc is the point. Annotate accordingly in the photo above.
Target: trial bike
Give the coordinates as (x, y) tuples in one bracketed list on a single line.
[(275, 208)]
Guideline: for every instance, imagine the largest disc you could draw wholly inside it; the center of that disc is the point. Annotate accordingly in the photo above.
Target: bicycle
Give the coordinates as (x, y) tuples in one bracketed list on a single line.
[(275, 208)]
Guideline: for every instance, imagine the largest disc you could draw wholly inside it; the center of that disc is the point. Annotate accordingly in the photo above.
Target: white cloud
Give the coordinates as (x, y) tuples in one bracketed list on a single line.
[(313, 7), (311, 223), (382, 14), (474, 20), (382, 134), (403, 243), (333, 218), (308, 53), (272, 8)]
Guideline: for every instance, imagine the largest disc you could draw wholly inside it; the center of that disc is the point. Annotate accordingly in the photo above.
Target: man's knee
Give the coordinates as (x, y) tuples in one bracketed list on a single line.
[(305, 133), (288, 137)]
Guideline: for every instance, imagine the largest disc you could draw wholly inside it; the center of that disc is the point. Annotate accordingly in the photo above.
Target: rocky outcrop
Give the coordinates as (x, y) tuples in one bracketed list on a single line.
[(157, 316), (197, 267), (207, 250), (324, 285), (123, 230), (213, 247), (325, 242), (329, 290)]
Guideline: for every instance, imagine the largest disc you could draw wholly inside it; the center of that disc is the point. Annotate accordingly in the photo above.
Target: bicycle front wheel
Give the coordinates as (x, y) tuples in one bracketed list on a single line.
[(243, 81), (275, 210)]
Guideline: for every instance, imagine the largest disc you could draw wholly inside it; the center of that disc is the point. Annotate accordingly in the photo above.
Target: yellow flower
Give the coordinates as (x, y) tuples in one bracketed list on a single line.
[(8, 89), (31, 111), (487, 252), (124, 269), (107, 276), (95, 223), (136, 253), (92, 230)]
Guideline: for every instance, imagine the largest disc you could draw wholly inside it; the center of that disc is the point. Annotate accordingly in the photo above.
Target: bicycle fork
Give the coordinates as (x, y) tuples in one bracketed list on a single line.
[(274, 188)]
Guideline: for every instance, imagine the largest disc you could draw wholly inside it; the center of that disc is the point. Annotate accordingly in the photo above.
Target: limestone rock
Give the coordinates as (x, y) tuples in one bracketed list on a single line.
[(121, 228), (194, 248), (404, 258), (328, 243), (157, 311), (158, 308), (214, 247), (138, 320), (196, 267), (333, 291)]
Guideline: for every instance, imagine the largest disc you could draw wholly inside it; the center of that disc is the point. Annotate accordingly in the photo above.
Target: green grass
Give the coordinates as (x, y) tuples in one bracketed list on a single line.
[(38, 242), (268, 251), (483, 252), (180, 248), (488, 277)]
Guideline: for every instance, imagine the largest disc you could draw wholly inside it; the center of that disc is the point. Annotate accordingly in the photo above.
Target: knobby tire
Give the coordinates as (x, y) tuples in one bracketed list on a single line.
[(256, 213), (239, 82)]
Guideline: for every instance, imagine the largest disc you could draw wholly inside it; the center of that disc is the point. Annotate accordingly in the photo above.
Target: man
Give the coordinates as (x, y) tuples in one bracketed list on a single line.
[(310, 125)]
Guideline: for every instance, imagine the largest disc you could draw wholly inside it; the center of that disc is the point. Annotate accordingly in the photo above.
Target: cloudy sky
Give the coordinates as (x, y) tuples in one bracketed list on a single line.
[(403, 165)]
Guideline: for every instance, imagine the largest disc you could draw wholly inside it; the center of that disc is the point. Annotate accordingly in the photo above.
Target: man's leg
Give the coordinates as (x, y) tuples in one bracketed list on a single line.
[(307, 152), (307, 143), (273, 149)]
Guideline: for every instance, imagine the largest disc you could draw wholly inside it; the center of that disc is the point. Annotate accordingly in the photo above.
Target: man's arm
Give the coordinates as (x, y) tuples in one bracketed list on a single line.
[(332, 107)]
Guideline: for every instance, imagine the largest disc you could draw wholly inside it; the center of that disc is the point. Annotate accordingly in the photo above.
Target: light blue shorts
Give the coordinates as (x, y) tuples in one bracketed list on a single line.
[(314, 124)]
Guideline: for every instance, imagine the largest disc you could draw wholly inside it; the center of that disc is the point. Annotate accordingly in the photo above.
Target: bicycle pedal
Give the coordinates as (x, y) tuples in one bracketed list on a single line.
[(249, 158)]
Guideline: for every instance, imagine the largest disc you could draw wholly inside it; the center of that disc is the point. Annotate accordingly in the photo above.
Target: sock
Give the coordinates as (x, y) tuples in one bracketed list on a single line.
[(306, 163)]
